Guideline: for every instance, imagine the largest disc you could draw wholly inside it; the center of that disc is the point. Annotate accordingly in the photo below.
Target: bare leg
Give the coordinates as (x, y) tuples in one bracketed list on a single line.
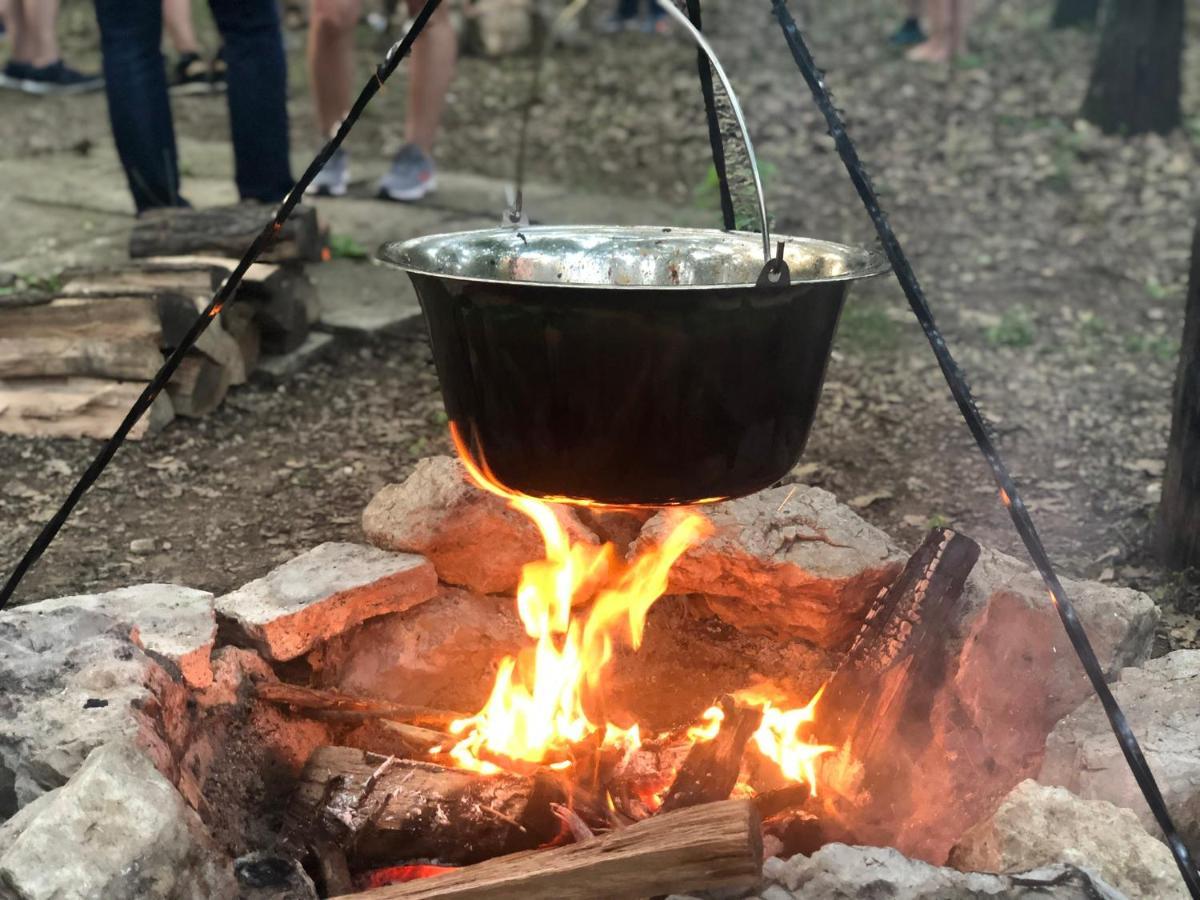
[(958, 18), (938, 47), (331, 59), (35, 37), (433, 59), (177, 22)]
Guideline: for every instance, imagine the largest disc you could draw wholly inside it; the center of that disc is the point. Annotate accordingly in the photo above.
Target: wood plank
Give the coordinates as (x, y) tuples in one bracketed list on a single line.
[(717, 845), (75, 407)]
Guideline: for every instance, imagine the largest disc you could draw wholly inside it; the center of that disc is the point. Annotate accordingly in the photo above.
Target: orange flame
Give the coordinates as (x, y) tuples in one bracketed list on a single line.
[(780, 737), (536, 709)]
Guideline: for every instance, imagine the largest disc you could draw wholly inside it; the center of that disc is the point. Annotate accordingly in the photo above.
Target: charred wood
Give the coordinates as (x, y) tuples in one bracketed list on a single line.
[(711, 768), (382, 811)]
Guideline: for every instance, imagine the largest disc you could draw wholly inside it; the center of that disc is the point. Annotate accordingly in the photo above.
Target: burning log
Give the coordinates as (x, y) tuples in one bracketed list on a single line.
[(711, 768), (715, 845), (325, 704), (878, 702), (380, 810)]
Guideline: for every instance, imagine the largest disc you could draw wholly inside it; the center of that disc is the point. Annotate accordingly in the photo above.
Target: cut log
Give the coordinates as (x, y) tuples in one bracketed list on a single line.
[(877, 704), (180, 295), (76, 407), (711, 768), (226, 231), (284, 300), (382, 811), (239, 322), (198, 385), (79, 338), (348, 708), (718, 845)]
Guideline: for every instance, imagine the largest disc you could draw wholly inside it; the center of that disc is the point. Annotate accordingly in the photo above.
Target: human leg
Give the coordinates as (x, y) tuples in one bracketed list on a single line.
[(257, 73), (138, 108)]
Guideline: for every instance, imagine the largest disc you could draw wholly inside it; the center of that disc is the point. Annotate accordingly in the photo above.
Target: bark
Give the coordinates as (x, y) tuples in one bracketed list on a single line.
[(718, 845), (382, 811), (349, 708), (226, 231), (1179, 525), (1135, 86)]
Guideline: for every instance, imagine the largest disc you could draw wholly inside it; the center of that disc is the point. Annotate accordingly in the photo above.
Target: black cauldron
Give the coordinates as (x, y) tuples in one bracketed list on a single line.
[(629, 366)]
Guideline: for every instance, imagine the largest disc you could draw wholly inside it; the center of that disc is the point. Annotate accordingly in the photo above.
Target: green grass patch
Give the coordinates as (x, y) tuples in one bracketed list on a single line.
[(343, 246), (1015, 329), (867, 328)]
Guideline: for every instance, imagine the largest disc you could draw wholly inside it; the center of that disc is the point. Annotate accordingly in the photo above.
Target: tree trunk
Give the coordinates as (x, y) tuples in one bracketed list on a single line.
[(1179, 529), (1075, 13), (1135, 86)]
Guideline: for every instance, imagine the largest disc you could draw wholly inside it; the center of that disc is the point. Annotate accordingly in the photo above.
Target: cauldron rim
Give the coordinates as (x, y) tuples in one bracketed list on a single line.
[(414, 255)]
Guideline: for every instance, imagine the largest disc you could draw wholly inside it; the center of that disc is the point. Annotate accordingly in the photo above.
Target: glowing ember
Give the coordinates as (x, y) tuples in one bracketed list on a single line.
[(538, 707)]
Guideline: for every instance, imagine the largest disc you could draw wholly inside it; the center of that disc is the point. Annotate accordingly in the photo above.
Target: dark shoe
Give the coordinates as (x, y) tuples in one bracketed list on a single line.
[(190, 75), (219, 72), (56, 78), (13, 75), (908, 34)]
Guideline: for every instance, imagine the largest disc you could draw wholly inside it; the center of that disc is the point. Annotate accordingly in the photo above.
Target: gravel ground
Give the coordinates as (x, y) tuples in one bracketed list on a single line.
[(1055, 257)]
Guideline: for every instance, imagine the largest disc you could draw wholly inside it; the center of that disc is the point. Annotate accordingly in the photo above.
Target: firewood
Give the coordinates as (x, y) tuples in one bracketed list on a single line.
[(392, 738), (117, 340), (198, 385), (180, 293), (877, 704), (382, 810), (777, 801), (76, 407), (226, 231), (283, 299), (711, 768), (717, 845), (348, 708)]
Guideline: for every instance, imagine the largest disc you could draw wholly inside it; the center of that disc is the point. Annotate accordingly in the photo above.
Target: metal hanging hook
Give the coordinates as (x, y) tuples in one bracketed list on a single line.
[(702, 42)]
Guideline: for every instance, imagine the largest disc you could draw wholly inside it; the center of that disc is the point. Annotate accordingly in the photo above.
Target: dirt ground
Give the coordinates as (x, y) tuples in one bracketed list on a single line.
[(1055, 258)]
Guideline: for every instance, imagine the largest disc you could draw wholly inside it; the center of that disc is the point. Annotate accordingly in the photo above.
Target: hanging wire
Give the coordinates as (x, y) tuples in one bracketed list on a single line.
[(975, 423), (225, 295)]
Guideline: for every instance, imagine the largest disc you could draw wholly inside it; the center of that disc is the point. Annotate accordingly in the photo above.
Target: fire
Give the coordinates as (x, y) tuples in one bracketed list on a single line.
[(576, 604), (537, 707), (780, 737)]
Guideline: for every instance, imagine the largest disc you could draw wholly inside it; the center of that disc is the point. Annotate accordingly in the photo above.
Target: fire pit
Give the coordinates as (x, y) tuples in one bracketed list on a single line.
[(634, 697)]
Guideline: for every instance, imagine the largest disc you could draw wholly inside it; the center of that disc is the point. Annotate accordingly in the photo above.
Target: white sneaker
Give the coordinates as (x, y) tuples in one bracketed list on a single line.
[(334, 179)]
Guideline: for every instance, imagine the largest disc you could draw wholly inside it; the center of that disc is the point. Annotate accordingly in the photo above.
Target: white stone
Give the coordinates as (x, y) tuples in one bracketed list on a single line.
[(473, 538), (322, 593), (1160, 701), (1038, 825), (791, 560), (117, 830)]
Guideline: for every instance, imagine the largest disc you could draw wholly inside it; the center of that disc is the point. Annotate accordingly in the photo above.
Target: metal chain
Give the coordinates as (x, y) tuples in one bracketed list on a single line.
[(225, 295), (975, 423)]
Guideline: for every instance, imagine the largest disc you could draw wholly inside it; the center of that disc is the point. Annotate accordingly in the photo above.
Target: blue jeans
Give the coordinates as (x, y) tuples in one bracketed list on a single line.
[(140, 113), (628, 9)]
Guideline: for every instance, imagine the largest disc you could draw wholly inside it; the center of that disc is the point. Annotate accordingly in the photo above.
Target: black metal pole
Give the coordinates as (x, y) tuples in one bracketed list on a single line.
[(714, 124), (975, 423), (225, 294)]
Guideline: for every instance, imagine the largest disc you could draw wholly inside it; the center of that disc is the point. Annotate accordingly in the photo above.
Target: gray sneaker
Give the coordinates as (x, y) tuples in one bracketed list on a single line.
[(333, 180), (411, 176)]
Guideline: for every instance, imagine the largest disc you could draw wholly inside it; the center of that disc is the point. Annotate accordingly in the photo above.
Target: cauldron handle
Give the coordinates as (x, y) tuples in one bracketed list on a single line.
[(774, 268)]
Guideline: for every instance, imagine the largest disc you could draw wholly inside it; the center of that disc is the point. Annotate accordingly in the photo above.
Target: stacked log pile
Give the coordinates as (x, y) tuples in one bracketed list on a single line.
[(73, 361)]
